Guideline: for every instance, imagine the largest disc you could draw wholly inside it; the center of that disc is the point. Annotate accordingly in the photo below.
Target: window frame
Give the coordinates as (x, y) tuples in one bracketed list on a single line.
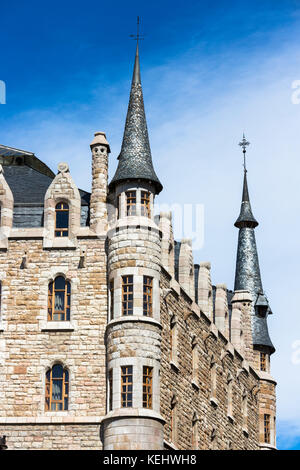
[(127, 291), (49, 389), (126, 383), (61, 232), (148, 387), (146, 204), (110, 389), (131, 203), (111, 298), (263, 361), (67, 300), (148, 296), (267, 428)]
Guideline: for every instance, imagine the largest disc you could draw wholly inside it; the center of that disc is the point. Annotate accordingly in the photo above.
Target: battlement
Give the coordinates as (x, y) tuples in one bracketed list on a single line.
[(214, 301)]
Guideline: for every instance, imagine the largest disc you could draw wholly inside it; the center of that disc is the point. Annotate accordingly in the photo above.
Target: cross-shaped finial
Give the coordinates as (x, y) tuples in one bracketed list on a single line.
[(137, 37), (244, 143)]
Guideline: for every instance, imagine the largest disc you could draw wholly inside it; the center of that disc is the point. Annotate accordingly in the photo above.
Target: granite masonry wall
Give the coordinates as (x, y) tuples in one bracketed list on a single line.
[(195, 397), (29, 344)]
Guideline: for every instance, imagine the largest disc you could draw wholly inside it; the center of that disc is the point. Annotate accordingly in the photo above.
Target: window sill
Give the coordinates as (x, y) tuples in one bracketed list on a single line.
[(174, 366), (57, 326), (214, 402), (265, 445), (60, 243), (195, 385), (169, 445)]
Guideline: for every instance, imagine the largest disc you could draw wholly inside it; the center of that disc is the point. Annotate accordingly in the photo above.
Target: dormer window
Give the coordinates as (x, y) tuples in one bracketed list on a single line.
[(145, 204), (131, 203), (62, 219)]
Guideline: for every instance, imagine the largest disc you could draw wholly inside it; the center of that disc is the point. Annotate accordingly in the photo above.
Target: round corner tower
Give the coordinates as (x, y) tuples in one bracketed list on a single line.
[(133, 334)]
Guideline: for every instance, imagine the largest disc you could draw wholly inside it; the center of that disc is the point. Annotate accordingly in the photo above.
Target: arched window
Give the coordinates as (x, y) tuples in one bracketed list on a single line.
[(62, 219), (59, 299), (57, 388)]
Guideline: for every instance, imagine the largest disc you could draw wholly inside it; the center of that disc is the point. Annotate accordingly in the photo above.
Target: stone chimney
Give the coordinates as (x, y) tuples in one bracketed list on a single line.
[(98, 205)]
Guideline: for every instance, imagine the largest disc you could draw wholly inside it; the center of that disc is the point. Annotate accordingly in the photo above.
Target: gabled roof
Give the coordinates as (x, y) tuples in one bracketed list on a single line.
[(28, 177)]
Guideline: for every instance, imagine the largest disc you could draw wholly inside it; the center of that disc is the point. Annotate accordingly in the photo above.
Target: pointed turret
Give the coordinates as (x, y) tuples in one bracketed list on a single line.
[(135, 160), (246, 218), (247, 274)]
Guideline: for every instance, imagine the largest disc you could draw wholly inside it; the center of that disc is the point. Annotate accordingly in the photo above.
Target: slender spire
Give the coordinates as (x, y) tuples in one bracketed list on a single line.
[(135, 160), (247, 273), (246, 218)]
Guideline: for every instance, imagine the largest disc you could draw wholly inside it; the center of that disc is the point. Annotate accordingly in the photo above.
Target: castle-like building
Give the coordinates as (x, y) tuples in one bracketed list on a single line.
[(110, 336)]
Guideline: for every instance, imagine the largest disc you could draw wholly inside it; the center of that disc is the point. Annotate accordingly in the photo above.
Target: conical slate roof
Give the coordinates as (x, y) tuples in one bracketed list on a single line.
[(247, 273), (246, 218), (135, 160)]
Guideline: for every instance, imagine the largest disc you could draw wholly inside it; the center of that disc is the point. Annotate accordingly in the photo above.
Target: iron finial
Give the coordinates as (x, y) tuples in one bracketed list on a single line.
[(137, 37), (244, 143)]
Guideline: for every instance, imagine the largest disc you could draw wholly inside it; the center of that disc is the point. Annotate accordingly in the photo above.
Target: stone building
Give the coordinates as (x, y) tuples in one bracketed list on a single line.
[(110, 336)]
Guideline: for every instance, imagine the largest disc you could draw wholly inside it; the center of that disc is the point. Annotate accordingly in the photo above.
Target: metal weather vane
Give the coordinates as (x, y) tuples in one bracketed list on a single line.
[(244, 143), (137, 37)]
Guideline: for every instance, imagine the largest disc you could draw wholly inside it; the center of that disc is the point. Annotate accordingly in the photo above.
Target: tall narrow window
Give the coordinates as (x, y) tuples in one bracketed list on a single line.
[(147, 386), (147, 296), (213, 379), (267, 428), (126, 386), (229, 396), (127, 295), (173, 340), (111, 290), (195, 362), (61, 219), (145, 203), (174, 419), (195, 431), (57, 388), (0, 298), (131, 203), (263, 361), (110, 389), (119, 206), (245, 411), (59, 299)]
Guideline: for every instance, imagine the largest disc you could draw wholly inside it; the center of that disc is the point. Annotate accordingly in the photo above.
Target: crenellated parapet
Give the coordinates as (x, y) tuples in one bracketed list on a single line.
[(186, 267), (205, 297), (167, 242), (221, 309), (241, 336)]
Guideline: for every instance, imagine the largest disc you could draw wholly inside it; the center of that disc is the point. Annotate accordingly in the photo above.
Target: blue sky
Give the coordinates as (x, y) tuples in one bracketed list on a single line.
[(210, 71)]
